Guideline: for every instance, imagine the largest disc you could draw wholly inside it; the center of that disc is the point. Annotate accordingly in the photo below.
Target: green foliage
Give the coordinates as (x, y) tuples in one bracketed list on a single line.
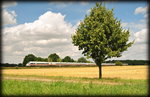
[(118, 63), (49, 60), (130, 62), (31, 57), (82, 59), (28, 58), (20, 65), (41, 59), (67, 59), (100, 35), (54, 58)]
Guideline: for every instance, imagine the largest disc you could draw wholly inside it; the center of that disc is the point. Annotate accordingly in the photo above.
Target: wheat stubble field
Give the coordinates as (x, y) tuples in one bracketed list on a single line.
[(123, 72), (64, 81)]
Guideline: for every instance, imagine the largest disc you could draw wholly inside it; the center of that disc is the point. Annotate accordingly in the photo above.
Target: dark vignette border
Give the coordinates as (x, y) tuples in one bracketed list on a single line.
[(1, 53)]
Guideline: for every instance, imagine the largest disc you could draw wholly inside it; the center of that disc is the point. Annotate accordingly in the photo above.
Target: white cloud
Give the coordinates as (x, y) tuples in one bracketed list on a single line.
[(135, 52), (49, 34), (8, 17), (141, 36), (141, 10)]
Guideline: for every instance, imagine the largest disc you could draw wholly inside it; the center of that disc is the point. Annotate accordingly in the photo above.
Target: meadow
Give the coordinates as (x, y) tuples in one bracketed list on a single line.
[(117, 80)]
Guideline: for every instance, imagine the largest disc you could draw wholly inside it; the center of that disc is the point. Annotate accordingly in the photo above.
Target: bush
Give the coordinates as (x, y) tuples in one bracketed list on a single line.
[(118, 63)]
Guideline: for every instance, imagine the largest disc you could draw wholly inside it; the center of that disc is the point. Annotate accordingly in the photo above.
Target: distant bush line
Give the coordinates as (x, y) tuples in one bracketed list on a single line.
[(129, 62)]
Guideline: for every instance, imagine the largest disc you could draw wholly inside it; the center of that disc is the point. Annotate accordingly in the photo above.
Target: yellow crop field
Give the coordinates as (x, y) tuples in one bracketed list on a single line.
[(124, 72)]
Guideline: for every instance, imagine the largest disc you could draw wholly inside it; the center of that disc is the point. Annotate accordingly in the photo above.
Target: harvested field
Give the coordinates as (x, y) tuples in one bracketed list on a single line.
[(124, 72)]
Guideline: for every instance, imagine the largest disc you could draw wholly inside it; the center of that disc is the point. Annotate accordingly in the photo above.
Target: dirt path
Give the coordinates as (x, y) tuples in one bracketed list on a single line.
[(64, 80)]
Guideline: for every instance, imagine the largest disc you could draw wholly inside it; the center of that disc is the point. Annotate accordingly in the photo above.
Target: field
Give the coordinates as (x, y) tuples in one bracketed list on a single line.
[(124, 72), (117, 80)]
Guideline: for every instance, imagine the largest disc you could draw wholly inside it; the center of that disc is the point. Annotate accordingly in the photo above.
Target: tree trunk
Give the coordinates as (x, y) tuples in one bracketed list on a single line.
[(100, 71)]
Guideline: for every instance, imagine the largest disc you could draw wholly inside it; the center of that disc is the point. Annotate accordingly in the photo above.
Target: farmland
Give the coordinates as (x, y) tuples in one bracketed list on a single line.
[(124, 72), (117, 80)]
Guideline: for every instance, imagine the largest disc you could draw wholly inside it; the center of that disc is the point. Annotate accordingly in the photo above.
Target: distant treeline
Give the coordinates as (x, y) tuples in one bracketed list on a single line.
[(130, 62), (11, 65)]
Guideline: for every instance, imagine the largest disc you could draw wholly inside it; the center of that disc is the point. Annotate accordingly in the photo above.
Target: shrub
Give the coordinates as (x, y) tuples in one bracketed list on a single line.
[(118, 63)]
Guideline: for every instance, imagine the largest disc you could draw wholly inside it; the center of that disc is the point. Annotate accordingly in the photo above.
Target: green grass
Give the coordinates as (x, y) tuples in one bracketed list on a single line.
[(29, 88), (79, 79)]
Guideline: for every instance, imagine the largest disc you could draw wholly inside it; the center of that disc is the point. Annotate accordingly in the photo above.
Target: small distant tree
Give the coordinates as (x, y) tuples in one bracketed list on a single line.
[(118, 63), (101, 36), (54, 58), (20, 65), (28, 58), (82, 59), (67, 59)]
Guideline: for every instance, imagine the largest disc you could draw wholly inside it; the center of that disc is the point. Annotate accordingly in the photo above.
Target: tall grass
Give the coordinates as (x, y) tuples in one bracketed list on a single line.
[(33, 88)]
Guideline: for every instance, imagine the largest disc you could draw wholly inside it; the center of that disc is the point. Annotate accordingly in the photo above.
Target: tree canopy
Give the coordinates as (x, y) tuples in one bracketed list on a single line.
[(28, 58), (101, 36), (54, 58), (67, 59)]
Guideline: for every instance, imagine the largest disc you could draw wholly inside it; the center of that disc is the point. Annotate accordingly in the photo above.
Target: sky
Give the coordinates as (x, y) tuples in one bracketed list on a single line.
[(43, 28)]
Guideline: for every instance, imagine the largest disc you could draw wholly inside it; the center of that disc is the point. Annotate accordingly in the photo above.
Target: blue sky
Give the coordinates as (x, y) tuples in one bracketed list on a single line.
[(21, 20), (74, 11)]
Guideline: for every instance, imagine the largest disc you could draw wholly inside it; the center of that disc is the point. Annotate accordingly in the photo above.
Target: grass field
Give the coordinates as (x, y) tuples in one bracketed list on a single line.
[(117, 80), (22, 87)]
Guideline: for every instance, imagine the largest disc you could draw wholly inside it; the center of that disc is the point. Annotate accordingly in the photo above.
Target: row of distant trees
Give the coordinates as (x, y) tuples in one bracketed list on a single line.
[(52, 58), (130, 62)]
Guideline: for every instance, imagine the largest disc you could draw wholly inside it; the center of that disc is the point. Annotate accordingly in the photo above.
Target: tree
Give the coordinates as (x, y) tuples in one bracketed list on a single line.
[(28, 58), (41, 59), (118, 63), (20, 65), (67, 59), (82, 59), (101, 36), (54, 58)]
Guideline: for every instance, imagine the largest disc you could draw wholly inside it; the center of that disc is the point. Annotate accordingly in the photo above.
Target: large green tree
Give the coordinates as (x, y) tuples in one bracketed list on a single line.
[(101, 36), (28, 58), (54, 58)]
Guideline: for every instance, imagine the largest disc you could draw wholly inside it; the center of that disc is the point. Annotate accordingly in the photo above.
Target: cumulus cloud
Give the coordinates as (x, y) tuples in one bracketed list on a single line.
[(50, 33), (142, 10), (141, 36), (8, 17)]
